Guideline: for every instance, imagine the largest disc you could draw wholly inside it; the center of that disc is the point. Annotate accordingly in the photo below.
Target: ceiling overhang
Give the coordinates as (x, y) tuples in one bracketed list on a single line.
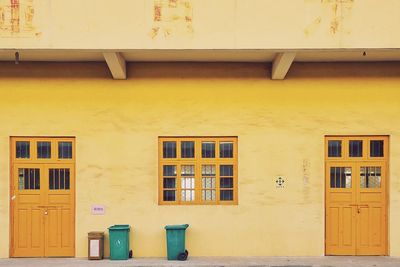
[(281, 60)]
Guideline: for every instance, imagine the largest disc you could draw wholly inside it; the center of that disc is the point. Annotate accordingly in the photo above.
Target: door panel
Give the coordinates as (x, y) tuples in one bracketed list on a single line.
[(59, 222), (43, 214), (356, 215), (340, 212), (27, 213), (372, 208)]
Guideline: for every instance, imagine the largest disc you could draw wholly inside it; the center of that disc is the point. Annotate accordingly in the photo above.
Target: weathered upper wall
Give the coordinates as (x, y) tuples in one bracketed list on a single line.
[(200, 24)]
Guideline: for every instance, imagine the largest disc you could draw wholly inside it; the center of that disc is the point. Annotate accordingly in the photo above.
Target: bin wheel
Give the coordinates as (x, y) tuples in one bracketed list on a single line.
[(182, 256), (187, 252), (130, 254)]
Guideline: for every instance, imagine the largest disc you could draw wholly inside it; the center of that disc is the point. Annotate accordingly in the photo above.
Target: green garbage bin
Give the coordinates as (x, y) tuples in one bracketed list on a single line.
[(176, 242), (119, 241)]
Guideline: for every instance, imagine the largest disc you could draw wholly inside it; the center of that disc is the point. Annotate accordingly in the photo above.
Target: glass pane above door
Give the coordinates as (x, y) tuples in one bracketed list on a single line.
[(340, 177), (370, 177)]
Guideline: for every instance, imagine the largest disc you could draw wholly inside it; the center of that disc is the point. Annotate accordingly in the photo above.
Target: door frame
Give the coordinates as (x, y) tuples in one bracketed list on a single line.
[(11, 185), (365, 158)]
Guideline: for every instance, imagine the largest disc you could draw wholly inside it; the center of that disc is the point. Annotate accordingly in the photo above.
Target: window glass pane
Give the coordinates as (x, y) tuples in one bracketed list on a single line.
[(187, 149), (37, 179), (187, 183), (226, 150), (208, 183), (28, 179), (355, 148), (65, 150), (376, 148), (226, 170), (226, 182), (56, 179), (169, 182), (22, 150), (43, 150), (169, 195), (340, 177), (169, 149), (334, 148), (187, 195), (67, 178), (226, 195), (62, 178), (51, 179), (208, 170), (208, 195), (370, 177), (187, 170), (31, 179), (169, 170), (208, 149)]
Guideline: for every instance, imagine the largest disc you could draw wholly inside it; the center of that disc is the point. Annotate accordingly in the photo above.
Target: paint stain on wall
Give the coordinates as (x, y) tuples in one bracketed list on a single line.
[(172, 17), (306, 179), (338, 11), (17, 18)]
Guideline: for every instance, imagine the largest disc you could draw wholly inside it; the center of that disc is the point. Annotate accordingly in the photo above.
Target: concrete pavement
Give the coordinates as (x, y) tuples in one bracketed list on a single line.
[(212, 261)]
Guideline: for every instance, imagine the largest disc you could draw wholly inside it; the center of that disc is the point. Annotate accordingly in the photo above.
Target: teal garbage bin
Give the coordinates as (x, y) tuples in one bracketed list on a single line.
[(119, 241), (176, 242)]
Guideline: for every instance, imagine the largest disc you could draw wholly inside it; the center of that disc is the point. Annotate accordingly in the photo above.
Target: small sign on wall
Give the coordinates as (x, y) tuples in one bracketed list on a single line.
[(280, 182), (98, 210)]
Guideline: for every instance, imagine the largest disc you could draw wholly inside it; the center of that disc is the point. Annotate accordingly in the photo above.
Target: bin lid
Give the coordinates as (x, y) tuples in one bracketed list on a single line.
[(96, 234), (177, 227), (119, 227)]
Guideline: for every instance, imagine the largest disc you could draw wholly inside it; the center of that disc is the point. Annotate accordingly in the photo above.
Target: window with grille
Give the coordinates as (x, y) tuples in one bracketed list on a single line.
[(198, 170)]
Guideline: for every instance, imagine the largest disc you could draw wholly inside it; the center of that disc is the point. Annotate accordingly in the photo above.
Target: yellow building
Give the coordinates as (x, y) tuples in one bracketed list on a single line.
[(270, 127)]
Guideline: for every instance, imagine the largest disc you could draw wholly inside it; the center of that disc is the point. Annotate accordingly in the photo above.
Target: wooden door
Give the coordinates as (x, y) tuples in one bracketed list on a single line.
[(59, 210), (340, 209), (371, 208), (42, 198), (28, 227), (356, 196)]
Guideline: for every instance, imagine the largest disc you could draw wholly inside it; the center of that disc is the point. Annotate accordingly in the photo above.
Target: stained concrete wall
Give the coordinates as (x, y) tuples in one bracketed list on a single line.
[(280, 127), (202, 24)]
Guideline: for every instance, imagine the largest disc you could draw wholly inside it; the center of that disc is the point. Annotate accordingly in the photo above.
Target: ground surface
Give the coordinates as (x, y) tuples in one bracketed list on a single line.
[(215, 261)]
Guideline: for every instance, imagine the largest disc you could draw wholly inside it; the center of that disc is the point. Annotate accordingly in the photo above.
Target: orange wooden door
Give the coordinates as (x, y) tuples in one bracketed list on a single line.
[(356, 211), (28, 200), (59, 210), (43, 210), (42, 197), (340, 209), (371, 208)]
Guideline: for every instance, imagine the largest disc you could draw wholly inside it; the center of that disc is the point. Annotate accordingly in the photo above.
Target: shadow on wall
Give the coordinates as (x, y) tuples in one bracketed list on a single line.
[(181, 70), (345, 70)]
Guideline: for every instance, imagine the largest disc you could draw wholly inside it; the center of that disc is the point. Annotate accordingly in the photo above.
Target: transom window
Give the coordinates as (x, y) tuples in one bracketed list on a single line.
[(197, 170), (42, 149), (356, 148)]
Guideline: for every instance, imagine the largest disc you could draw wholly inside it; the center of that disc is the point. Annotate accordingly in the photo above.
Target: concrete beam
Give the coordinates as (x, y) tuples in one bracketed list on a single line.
[(117, 65), (281, 65)]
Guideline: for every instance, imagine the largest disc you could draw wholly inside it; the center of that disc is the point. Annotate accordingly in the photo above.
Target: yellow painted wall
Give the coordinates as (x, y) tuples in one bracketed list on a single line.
[(280, 127), (222, 24)]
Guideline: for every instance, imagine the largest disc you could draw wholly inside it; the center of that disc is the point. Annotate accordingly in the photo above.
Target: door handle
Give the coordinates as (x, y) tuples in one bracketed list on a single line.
[(45, 213)]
